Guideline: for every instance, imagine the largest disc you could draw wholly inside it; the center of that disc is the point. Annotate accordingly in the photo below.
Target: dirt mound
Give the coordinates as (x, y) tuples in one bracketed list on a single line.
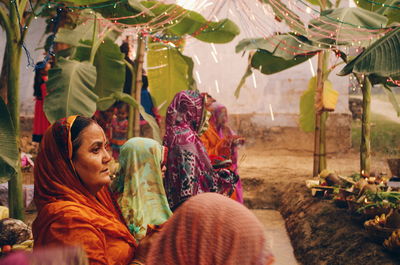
[(320, 232)]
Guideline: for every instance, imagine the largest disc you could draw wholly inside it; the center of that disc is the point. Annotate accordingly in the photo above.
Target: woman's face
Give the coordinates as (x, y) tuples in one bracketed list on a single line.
[(222, 117), (91, 160)]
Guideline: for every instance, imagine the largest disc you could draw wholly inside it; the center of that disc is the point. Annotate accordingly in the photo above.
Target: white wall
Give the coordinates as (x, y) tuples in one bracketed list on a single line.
[(34, 40)]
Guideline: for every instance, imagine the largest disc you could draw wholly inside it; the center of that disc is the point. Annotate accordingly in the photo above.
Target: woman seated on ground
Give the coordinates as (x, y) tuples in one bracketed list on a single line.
[(211, 229), (189, 169), (221, 140), (139, 185), (75, 206)]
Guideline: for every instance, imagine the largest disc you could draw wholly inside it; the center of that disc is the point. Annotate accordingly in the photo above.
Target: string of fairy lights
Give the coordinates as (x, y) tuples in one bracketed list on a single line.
[(334, 35)]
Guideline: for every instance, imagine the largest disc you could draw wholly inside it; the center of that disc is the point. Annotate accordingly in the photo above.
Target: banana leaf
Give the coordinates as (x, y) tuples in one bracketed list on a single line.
[(390, 11), (168, 73), (186, 22), (70, 90), (73, 37), (288, 16), (340, 26), (307, 104), (109, 100), (9, 155), (269, 64), (286, 46), (110, 69), (392, 99), (381, 58), (135, 4), (248, 73)]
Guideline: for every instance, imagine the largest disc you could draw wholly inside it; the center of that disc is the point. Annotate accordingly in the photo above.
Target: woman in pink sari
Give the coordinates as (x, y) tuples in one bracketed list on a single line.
[(189, 169)]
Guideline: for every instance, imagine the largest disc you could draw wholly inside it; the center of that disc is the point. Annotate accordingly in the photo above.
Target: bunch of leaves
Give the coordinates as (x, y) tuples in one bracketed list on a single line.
[(380, 200)]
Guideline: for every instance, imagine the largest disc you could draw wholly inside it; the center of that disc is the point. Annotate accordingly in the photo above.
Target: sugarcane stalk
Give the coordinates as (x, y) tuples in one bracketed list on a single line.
[(365, 147), (138, 82)]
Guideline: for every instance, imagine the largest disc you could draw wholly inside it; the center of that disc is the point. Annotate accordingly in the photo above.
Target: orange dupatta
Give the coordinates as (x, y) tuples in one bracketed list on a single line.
[(68, 213)]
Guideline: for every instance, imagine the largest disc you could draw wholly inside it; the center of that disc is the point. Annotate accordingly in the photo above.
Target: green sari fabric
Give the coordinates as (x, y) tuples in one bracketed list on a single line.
[(139, 185)]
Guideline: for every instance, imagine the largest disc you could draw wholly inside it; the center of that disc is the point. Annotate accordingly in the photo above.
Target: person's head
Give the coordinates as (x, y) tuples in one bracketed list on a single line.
[(109, 113), (219, 114), (124, 48), (211, 229), (187, 108), (89, 154), (139, 182), (122, 111)]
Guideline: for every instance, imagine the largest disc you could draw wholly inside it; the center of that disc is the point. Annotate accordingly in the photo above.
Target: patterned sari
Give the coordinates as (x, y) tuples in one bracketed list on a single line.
[(139, 185), (189, 169)]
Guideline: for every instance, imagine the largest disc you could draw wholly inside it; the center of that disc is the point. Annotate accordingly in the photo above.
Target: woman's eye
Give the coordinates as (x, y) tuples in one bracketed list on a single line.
[(96, 150)]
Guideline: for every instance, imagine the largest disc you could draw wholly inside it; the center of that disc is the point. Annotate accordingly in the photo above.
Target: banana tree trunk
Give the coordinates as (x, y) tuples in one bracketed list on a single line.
[(365, 148), (15, 198)]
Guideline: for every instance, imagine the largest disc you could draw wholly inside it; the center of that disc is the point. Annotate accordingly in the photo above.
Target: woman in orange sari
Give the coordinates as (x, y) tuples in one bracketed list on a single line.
[(221, 141), (74, 203)]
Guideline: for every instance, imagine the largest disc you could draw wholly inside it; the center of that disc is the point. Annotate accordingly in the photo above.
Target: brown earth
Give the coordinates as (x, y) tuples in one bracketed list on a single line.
[(320, 232)]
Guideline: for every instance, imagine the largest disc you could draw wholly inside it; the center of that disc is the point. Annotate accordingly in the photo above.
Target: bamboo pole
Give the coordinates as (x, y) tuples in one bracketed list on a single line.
[(139, 82), (318, 113), (15, 199), (324, 116), (365, 147), (134, 115)]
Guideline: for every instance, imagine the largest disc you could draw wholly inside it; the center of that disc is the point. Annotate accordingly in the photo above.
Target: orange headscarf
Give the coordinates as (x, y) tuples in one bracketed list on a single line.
[(210, 229), (68, 213)]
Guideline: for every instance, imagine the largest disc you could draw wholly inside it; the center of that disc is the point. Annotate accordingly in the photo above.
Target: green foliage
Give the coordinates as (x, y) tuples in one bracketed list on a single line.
[(9, 155), (83, 31), (283, 13), (110, 68), (393, 14), (330, 19), (70, 90), (168, 72), (269, 64), (392, 99), (109, 100), (307, 104), (284, 45), (381, 58), (243, 79)]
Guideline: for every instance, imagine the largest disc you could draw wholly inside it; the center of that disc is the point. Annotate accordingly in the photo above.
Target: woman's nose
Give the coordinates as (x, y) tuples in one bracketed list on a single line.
[(106, 157)]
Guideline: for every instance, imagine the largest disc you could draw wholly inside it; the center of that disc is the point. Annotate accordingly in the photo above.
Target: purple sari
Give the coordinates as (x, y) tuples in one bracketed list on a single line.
[(189, 170)]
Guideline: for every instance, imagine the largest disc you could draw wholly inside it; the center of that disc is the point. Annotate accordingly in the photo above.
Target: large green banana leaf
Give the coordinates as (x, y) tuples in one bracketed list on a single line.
[(8, 141), (168, 73), (392, 99), (73, 37), (381, 58), (70, 90), (340, 26), (307, 104), (109, 100), (135, 4), (282, 12), (110, 68), (186, 22), (286, 46), (269, 64), (391, 10)]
